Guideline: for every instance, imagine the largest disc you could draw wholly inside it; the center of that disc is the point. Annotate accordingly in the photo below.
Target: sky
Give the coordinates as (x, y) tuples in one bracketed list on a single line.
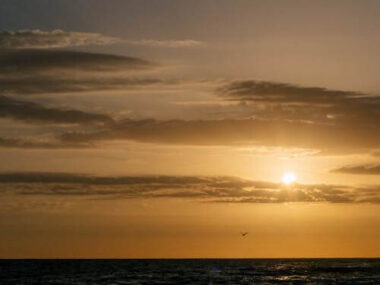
[(164, 129)]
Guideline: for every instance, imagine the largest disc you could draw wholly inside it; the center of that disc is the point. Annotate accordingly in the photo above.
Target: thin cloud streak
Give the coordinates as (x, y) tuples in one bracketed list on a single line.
[(51, 39), (49, 84), (32, 143), (38, 39), (367, 169), (165, 43), (232, 132)]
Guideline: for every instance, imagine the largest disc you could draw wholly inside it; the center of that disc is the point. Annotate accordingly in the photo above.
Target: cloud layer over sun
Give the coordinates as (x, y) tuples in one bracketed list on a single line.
[(199, 188)]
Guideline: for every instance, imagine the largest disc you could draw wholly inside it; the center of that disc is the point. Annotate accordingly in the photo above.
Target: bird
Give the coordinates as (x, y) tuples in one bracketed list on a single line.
[(244, 234)]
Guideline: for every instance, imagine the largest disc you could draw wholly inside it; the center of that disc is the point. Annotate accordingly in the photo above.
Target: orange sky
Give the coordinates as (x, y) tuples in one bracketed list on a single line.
[(161, 129)]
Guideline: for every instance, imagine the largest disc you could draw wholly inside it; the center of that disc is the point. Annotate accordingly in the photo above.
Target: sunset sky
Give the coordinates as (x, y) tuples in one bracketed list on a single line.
[(148, 129)]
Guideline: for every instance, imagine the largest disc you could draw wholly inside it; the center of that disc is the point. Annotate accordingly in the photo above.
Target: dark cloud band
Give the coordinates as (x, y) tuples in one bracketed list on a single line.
[(24, 72), (22, 62), (37, 113)]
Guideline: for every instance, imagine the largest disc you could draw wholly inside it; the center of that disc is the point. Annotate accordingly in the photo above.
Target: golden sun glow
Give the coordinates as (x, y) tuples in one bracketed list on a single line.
[(288, 178)]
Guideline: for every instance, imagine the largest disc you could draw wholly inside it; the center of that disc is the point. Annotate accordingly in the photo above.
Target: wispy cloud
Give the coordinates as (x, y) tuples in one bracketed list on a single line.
[(200, 188), (55, 85), (229, 132), (232, 132), (366, 169), (37, 39), (273, 100), (51, 39), (33, 143), (267, 91), (165, 43)]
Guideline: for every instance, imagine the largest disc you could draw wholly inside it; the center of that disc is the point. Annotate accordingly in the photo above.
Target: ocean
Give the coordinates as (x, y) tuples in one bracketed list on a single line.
[(190, 271)]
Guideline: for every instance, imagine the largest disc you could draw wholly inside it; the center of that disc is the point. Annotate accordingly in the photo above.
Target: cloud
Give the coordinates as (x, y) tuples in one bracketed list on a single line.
[(328, 138), (375, 153), (232, 132), (25, 61), (229, 132), (20, 143), (272, 100), (27, 143), (267, 113), (37, 39), (51, 84), (266, 91), (53, 71), (351, 115), (51, 39), (202, 188), (367, 169), (36, 113), (165, 43)]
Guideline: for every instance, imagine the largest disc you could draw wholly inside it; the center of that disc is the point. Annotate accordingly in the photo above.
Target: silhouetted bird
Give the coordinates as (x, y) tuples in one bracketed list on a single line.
[(244, 234)]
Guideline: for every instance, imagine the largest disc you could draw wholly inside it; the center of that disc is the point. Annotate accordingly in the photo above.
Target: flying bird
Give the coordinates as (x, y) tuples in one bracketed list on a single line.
[(244, 234)]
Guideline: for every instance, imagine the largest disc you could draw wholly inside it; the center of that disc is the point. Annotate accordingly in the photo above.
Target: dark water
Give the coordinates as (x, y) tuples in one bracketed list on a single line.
[(191, 271)]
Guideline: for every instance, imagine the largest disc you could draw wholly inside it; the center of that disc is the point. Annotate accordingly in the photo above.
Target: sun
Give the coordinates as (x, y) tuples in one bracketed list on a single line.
[(288, 178)]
